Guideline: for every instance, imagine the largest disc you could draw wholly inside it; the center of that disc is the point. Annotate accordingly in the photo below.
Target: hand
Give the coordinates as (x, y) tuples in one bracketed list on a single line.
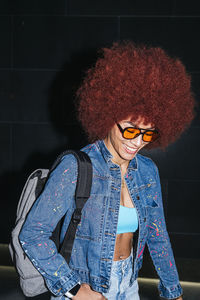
[(85, 292), (179, 298)]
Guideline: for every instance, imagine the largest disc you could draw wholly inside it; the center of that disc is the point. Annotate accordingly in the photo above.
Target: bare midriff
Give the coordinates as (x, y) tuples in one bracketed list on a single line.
[(123, 245)]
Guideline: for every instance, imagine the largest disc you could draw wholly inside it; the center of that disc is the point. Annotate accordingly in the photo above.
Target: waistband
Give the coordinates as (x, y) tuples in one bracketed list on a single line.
[(123, 263)]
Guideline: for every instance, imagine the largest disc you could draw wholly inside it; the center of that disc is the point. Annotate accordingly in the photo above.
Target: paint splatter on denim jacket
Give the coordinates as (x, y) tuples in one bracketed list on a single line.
[(93, 249)]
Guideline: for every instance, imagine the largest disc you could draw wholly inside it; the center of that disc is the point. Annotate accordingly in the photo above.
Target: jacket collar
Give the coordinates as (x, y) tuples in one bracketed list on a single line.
[(108, 156)]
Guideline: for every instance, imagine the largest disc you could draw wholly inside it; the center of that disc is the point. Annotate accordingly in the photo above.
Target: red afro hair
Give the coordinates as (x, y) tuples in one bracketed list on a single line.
[(137, 81)]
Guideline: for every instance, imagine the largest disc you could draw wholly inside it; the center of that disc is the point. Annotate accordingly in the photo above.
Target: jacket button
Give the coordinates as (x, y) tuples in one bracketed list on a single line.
[(138, 197)]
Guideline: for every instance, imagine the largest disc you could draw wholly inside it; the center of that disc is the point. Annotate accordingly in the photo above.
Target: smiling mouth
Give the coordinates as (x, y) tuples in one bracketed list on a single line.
[(130, 150)]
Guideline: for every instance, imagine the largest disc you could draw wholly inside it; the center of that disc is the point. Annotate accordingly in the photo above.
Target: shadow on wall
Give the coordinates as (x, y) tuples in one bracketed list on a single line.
[(62, 106), (62, 116)]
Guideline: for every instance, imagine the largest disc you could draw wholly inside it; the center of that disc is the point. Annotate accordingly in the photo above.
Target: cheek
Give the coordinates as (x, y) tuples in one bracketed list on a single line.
[(117, 143), (116, 138)]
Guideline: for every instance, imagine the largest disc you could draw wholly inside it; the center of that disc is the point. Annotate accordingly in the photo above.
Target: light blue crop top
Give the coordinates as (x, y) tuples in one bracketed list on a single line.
[(128, 219)]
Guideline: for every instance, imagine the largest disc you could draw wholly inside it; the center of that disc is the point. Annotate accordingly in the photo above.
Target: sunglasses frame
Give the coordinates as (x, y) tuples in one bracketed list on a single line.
[(145, 130)]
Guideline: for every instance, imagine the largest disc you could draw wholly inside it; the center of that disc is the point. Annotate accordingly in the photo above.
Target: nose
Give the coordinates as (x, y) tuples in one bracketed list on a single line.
[(137, 141)]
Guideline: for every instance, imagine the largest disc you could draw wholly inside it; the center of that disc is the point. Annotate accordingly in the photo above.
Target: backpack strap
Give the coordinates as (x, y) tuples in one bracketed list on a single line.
[(82, 193), (84, 178)]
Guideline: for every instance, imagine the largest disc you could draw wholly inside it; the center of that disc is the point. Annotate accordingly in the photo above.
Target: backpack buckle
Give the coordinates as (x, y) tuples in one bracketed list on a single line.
[(76, 217)]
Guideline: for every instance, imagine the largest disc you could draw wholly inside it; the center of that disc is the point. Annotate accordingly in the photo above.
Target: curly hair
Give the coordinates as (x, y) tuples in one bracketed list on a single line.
[(137, 81)]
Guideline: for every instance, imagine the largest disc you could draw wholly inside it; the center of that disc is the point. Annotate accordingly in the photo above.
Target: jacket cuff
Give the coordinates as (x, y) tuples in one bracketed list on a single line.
[(64, 284), (172, 292)]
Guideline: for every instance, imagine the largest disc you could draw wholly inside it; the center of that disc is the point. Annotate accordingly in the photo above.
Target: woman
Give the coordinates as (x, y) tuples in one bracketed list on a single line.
[(134, 97)]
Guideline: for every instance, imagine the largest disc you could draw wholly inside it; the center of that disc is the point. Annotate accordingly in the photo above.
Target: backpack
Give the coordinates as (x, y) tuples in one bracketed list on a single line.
[(31, 281)]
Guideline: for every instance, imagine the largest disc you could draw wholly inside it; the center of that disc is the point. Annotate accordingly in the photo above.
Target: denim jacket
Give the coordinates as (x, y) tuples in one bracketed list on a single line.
[(94, 244)]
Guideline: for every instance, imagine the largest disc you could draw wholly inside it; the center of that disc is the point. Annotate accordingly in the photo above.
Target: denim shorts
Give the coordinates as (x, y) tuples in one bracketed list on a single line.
[(120, 278)]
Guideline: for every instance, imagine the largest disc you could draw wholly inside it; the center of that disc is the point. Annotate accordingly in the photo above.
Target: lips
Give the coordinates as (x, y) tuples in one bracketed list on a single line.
[(130, 150)]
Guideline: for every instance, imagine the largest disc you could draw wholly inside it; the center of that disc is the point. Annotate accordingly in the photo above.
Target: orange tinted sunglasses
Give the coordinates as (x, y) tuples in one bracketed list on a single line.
[(131, 133)]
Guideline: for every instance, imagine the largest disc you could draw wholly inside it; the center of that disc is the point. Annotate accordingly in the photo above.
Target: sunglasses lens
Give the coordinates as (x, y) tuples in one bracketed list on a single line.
[(150, 136), (131, 133)]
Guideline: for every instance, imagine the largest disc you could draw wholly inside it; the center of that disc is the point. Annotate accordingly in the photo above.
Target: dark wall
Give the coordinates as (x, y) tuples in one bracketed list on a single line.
[(45, 48)]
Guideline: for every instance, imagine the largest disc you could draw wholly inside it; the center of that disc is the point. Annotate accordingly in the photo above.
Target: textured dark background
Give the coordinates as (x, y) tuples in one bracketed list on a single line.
[(45, 48)]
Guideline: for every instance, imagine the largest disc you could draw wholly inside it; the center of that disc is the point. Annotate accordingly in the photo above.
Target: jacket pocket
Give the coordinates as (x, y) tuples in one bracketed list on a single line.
[(149, 195), (151, 203), (92, 219)]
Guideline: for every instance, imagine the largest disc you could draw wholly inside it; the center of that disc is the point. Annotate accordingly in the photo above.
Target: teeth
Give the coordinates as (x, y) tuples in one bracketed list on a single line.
[(131, 149)]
